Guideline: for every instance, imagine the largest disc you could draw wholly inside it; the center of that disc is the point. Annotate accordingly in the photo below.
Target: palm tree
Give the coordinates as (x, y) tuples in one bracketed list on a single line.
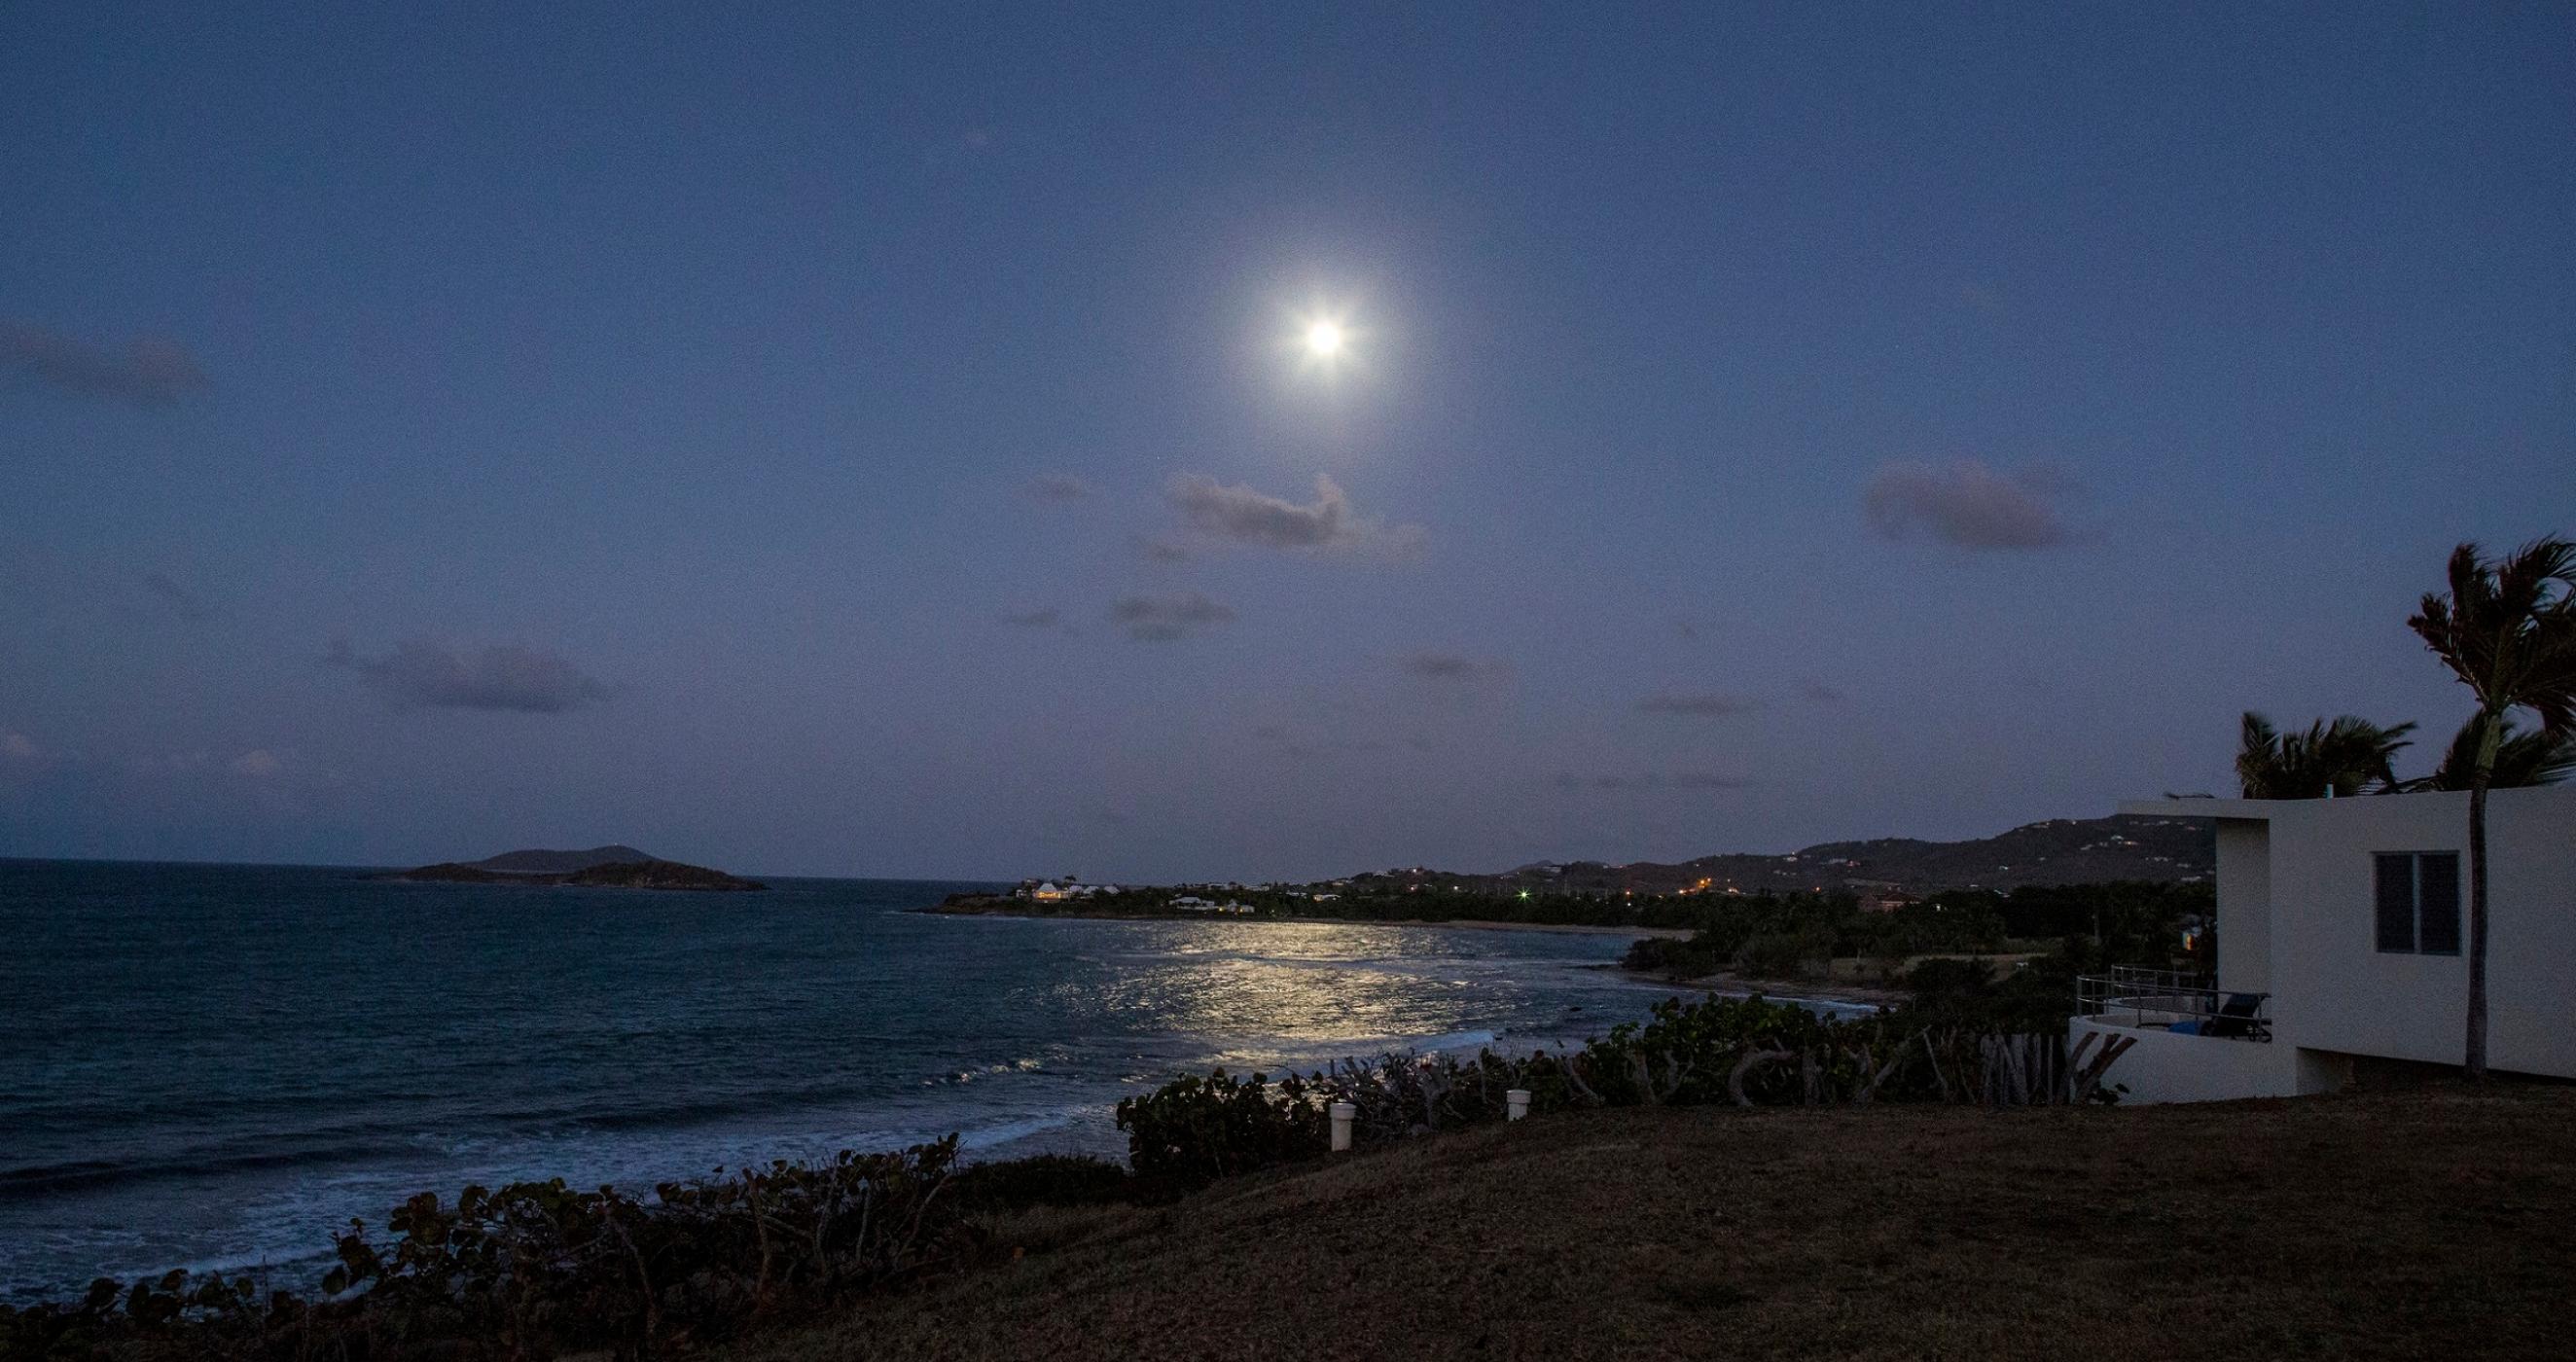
[(2522, 760), (2508, 631), (2341, 758)]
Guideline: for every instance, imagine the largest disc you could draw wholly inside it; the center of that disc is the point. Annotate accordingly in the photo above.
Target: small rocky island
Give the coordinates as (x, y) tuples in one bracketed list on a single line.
[(608, 867)]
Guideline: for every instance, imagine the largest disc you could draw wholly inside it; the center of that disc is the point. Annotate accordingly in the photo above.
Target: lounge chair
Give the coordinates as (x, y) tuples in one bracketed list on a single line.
[(2236, 1019)]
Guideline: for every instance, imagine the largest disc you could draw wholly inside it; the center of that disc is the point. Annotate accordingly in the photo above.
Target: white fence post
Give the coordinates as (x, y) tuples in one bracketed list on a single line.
[(1342, 1112), (1516, 1104)]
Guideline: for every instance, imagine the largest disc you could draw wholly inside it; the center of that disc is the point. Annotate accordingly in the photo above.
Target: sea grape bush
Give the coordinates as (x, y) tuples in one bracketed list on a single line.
[(539, 1269), (1744, 1051), (1192, 1131)]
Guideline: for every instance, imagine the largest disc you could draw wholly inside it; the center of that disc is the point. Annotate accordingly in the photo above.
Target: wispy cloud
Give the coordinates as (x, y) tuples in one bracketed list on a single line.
[(1161, 619), (1245, 516), (1157, 551), (1818, 692), (422, 674), (19, 754), (1058, 487), (1699, 704), (181, 600), (147, 372), (1969, 504), (1651, 781), (257, 764), (1439, 666), (1045, 617), (964, 142)]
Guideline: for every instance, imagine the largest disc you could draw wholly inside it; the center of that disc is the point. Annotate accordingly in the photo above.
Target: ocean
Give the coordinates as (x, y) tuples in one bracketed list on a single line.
[(213, 1067)]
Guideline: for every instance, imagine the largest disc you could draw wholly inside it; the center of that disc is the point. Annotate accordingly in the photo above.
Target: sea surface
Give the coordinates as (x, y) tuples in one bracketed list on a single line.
[(213, 1067)]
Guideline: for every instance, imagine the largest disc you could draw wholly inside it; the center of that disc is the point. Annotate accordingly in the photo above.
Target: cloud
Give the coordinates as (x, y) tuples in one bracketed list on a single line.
[(1245, 516), (1044, 618), (148, 372), (255, 763), (1651, 781), (1161, 619), (972, 141), (1437, 666), (1701, 704), (179, 598), (1968, 504), (1156, 551), (1818, 691), (18, 747), (420, 674), (1058, 487)]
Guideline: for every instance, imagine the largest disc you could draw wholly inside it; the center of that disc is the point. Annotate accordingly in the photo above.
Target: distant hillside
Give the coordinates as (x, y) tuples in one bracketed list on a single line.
[(560, 862), (2058, 851)]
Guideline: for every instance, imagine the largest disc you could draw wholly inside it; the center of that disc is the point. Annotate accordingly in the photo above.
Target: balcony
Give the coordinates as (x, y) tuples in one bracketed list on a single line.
[(2176, 1003)]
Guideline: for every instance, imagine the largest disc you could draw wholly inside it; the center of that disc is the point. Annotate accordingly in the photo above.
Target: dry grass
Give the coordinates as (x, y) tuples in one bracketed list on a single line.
[(2398, 1224)]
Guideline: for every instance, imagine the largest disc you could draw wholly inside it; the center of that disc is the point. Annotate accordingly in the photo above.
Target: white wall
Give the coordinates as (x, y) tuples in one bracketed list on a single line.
[(2164, 1067), (2332, 988), (2244, 905)]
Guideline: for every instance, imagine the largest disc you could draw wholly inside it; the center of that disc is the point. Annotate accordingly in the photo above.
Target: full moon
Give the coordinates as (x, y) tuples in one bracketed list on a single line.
[(1323, 338)]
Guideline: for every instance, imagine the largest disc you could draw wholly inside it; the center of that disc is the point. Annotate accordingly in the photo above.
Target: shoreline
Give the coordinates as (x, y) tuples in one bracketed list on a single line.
[(1737, 986), (1478, 924), (1471, 924)]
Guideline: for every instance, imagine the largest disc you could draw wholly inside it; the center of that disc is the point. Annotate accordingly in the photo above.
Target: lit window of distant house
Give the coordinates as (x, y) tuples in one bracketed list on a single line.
[(2419, 902)]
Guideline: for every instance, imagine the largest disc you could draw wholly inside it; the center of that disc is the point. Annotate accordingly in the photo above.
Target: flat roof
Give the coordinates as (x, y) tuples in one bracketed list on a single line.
[(2255, 809)]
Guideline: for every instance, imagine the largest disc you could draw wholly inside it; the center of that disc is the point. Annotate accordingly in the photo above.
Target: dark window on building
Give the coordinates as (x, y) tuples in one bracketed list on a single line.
[(2437, 903), (2418, 902), (2396, 902)]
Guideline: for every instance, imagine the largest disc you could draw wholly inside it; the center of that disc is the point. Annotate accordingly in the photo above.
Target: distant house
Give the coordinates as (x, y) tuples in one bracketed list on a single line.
[(1877, 896), (2341, 925), (1323, 898), (1049, 891), (1192, 903)]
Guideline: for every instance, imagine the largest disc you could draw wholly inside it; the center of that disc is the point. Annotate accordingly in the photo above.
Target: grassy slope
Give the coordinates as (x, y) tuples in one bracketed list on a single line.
[(2390, 1225)]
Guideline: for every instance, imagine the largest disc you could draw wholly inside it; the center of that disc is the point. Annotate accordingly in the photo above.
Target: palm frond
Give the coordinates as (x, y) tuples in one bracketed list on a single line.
[(2507, 629), (2522, 759)]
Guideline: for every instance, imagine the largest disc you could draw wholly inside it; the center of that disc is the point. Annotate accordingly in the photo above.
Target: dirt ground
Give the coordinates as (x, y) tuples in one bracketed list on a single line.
[(2427, 1223)]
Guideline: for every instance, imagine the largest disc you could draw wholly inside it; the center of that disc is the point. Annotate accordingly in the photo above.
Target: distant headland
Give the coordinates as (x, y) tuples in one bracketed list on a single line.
[(608, 867)]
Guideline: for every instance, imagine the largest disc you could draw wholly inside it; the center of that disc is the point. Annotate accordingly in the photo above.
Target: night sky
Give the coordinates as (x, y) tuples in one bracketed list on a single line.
[(807, 441)]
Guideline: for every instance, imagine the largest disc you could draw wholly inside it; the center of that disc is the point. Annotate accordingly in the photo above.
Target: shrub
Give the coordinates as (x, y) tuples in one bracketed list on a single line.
[(537, 1269), (1191, 1131), (1042, 1180), (1780, 955)]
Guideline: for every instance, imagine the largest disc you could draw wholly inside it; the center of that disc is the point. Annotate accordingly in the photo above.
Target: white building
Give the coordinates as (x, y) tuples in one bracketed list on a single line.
[(2342, 932)]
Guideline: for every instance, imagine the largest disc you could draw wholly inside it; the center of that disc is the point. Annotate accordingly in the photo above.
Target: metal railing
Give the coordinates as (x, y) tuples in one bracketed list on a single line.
[(2174, 1001)]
